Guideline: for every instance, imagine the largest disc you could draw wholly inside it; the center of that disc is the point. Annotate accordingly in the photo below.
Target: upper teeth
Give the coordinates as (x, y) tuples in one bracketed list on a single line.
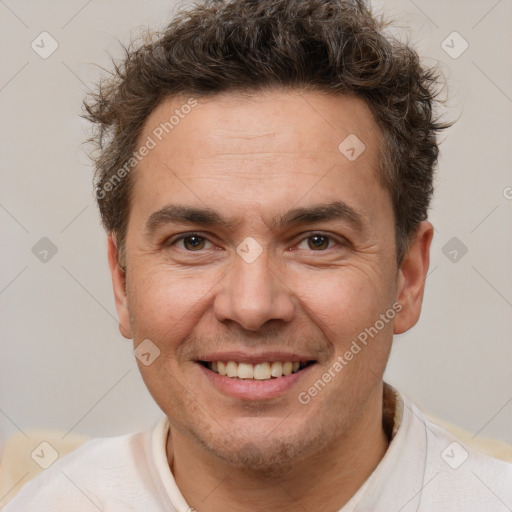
[(261, 371)]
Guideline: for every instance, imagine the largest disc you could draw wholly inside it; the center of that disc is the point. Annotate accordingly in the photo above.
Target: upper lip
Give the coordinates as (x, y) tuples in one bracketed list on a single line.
[(262, 357)]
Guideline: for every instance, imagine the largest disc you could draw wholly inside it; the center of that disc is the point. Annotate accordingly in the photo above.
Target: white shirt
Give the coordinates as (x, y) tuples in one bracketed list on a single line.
[(425, 469)]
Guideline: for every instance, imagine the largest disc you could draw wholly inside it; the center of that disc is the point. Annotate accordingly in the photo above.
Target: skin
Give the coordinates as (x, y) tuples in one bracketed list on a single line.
[(251, 159)]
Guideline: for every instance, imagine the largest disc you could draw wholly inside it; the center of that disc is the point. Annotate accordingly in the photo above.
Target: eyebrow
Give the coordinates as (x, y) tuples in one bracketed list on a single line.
[(176, 213), (337, 210), (207, 217)]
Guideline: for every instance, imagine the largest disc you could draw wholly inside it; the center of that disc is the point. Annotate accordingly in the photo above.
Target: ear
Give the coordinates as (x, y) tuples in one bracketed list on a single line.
[(119, 286), (411, 278)]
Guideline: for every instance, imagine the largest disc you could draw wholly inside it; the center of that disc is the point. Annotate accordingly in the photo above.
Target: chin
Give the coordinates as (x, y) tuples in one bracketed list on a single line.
[(269, 453)]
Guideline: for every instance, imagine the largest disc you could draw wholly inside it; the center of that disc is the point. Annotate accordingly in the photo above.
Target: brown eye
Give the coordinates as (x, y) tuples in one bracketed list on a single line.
[(193, 243), (318, 242)]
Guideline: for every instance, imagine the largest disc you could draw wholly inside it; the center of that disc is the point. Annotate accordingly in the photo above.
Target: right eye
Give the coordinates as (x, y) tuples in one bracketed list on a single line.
[(191, 242)]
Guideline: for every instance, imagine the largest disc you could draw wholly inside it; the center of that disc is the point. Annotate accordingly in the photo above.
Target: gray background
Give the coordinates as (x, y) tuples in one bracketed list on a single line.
[(63, 362)]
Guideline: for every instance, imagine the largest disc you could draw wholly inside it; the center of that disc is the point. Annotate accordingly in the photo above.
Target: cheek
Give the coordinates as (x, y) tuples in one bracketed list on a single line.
[(164, 306), (165, 303), (344, 300), (346, 305)]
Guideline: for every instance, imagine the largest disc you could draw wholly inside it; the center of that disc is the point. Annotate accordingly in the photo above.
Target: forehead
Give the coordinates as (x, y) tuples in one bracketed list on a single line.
[(264, 148), (269, 119)]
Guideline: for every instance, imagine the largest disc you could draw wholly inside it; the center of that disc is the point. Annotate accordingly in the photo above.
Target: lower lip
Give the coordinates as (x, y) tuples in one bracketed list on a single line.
[(250, 389)]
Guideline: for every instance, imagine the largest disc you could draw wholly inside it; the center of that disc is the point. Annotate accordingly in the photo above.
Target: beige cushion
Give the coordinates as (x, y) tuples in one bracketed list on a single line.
[(24, 458), (493, 447)]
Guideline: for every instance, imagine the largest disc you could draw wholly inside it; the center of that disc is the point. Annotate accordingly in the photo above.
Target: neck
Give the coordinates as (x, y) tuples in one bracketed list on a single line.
[(324, 480)]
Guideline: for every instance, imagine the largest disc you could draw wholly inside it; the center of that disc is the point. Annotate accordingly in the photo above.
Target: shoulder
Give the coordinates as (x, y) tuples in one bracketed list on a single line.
[(428, 468), (107, 471), (456, 451), (461, 477)]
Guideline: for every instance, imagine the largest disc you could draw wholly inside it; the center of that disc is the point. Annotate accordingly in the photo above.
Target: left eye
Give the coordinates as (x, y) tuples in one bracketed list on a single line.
[(316, 242)]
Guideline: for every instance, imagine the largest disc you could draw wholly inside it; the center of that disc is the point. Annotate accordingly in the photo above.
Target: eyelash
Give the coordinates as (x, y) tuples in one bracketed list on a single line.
[(184, 236)]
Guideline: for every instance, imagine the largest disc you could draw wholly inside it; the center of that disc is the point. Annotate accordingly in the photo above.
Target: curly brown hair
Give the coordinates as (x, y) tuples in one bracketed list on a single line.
[(332, 46)]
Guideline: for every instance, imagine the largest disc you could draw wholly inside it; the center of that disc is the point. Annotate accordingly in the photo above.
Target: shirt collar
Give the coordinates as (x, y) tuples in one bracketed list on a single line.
[(398, 479)]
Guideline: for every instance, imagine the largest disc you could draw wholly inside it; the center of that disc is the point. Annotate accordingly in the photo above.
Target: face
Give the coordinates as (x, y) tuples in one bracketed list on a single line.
[(256, 247)]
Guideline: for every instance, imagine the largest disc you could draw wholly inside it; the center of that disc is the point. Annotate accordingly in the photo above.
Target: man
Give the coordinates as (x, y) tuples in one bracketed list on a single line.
[(264, 174)]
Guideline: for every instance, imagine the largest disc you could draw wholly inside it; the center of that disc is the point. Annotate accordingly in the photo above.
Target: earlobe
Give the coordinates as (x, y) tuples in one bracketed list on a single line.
[(119, 287), (411, 278)]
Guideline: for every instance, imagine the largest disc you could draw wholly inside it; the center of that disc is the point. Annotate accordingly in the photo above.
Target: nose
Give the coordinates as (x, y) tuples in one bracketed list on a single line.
[(251, 294)]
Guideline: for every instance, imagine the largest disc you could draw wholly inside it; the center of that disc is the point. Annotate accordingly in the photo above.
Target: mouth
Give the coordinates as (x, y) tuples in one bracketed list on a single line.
[(261, 371), (250, 377)]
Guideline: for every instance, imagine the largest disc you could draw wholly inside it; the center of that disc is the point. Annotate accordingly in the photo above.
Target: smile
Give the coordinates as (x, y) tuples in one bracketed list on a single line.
[(261, 371)]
